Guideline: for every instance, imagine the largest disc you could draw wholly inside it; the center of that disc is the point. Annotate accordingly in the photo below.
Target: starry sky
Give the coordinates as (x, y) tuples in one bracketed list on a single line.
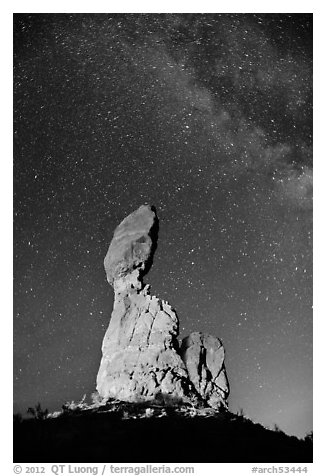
[(209, 118)]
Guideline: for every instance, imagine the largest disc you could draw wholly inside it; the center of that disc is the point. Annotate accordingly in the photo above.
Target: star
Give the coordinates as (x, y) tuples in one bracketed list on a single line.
[(209, 118)]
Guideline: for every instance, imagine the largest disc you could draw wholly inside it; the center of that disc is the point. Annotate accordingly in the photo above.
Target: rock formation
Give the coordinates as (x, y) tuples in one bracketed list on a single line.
[(131, 250), (203, 356), (141, 359)]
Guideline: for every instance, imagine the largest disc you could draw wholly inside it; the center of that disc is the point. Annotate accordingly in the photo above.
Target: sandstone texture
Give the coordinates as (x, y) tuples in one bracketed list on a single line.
[(203, 356), (133, 245), (141, 358)]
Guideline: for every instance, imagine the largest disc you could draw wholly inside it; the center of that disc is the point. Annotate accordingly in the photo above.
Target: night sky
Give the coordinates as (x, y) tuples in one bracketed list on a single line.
[(209, 118)]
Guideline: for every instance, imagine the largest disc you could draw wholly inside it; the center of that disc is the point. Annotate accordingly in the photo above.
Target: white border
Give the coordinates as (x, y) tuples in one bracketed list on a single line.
[(168, 6)]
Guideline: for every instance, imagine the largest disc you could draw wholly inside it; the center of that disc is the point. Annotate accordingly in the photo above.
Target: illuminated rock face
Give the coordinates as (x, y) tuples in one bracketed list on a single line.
[(203, 356), (141, 359), (133, 245)]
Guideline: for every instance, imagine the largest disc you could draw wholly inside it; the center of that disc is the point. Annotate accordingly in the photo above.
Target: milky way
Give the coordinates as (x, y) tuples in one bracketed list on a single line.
[(209, 118)]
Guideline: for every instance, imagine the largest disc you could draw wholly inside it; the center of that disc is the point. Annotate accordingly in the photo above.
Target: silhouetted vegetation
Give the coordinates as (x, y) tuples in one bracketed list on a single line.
[(277, 429), (309, 437), (18, 418), (124, 432), (73, 407), (37, 412)]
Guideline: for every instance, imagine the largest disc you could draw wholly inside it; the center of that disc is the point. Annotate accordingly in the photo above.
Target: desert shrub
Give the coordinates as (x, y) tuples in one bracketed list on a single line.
[(37, 412), (309, 437), (240, 412), (149, 412), (72, 406), (54, 414), (277, 428), (18, 418)]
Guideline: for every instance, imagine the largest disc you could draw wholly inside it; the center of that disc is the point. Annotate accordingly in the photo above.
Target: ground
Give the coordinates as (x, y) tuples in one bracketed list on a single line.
[(153, 434)]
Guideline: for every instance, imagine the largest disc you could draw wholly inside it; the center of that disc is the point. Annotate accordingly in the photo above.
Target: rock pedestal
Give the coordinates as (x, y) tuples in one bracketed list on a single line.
[(141, 359)]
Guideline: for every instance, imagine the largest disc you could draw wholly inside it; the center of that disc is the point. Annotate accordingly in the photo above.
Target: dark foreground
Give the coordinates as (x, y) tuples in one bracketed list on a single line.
[(102, 436)]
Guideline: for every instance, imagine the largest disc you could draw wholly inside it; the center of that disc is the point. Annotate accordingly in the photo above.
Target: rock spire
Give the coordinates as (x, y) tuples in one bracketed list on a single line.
[(141, 359)]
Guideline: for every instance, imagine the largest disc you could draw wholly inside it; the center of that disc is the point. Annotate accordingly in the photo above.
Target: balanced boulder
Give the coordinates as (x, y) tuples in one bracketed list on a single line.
[(133, 245), (141, 358)]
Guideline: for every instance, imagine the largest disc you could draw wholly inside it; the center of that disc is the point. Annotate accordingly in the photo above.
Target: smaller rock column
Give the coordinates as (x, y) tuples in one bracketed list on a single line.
[(203, 356)]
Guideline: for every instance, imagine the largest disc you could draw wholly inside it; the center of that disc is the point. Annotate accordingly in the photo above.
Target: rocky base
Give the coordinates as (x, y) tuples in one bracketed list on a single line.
[(129, 433), (140, 352)]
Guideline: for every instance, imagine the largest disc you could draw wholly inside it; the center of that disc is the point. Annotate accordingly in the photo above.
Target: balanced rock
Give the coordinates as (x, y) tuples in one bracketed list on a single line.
[(140, 359), (203, 356), (133, 245)]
